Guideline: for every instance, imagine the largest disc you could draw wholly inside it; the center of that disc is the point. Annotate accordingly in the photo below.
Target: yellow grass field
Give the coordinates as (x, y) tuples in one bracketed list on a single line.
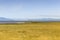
[(30, 31)]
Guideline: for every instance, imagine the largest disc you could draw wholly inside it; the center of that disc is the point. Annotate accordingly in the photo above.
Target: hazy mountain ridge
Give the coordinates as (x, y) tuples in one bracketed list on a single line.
[(5, 19), (45, 19), (39, 19)]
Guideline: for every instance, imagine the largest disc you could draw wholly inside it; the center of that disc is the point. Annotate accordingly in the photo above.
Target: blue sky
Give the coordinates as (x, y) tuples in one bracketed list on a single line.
[(30, 8)]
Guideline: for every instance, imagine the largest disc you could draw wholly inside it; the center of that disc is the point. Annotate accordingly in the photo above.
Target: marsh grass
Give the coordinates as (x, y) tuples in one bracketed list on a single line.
[(30, 31)]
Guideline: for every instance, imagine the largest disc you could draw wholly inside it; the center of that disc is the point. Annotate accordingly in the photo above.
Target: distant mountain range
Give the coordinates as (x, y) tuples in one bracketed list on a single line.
[(40, 19), (5, 19), (45, 19)]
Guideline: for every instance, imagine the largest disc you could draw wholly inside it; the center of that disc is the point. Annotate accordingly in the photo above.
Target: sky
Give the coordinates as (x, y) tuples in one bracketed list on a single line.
[(30, 8)]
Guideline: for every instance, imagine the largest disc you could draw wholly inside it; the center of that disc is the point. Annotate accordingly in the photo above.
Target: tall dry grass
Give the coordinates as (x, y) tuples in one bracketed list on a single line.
[(30, 31)]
